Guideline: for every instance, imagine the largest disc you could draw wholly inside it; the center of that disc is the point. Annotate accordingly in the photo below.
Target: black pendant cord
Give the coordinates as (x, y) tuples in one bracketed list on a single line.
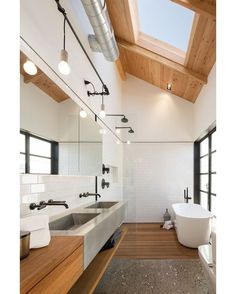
[(64, 34), (62, 10)]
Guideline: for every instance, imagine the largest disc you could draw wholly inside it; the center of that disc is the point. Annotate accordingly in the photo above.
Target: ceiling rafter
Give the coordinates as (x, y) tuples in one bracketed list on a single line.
[(201, 7)]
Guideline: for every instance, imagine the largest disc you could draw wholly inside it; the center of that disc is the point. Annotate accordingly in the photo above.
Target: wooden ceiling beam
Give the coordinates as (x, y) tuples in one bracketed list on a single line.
[(124, 18), (201, 7), (162, 60), (121, 70)]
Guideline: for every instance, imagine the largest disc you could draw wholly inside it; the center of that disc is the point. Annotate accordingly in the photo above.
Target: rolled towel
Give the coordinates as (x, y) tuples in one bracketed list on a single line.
[(167, 225), (38, 226), (34, 222)]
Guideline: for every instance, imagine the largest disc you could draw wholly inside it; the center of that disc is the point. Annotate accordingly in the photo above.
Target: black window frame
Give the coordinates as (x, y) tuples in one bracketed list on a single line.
[(197, 172), (53, 158)]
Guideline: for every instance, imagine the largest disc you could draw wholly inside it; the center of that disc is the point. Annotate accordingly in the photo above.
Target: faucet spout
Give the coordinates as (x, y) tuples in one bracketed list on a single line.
[(89, 194)]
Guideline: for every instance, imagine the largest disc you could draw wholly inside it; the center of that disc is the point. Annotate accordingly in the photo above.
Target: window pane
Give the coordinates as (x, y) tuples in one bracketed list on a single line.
[(213, 205), (213, 141), (40, 147), (204, 164), (204, 182), (204, 200), (22, 163), (213, 162), (204, 147), (40, 165), (213, 184), (22, 143)]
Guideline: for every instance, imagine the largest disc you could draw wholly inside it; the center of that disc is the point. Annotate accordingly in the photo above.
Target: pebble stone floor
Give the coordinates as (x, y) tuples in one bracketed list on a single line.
[(169, 276)]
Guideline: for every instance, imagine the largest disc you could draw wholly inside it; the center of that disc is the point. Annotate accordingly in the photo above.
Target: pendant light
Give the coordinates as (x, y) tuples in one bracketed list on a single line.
[(82, 113), (102, 113), (63, 65), (30, 68)]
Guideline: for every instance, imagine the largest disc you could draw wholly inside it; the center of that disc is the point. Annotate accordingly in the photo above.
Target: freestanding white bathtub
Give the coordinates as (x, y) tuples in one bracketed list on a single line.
[(193, 224)]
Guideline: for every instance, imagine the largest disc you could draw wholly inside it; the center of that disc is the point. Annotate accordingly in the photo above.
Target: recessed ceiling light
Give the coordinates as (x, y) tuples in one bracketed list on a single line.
[(118, 131), (169, 86), (128, 142), (117, 142)]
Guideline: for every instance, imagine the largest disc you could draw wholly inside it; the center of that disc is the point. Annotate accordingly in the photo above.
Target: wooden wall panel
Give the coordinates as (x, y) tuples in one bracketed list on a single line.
[(149, 69)]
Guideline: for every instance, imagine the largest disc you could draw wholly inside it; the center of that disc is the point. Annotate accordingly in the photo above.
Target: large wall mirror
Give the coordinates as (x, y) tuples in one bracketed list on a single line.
[(54, 138)]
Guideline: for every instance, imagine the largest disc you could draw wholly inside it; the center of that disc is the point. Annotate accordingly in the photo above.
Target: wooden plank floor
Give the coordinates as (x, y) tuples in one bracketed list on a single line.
[(150, 241)]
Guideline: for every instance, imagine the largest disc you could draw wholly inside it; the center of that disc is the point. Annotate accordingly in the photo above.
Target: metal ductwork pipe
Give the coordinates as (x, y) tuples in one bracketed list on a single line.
[(103, 39)]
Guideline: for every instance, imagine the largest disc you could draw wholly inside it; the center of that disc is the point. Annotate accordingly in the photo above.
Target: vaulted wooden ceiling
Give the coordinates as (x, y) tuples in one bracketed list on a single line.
[(43, 82), (158, 63)]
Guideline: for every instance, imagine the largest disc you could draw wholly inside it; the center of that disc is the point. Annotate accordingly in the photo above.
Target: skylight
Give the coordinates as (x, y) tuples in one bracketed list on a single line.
[(166, 21)]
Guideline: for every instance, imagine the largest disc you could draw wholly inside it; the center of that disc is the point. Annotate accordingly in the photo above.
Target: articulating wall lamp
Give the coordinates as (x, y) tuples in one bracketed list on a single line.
[(124, 119), (105, 90), (131, 131)]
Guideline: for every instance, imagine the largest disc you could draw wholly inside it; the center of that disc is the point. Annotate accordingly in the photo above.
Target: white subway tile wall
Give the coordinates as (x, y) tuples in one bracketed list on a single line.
[(155, 176), (35, 188)]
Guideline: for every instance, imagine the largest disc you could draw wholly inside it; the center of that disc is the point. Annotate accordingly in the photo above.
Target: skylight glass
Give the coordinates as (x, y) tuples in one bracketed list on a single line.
[(166, 21)]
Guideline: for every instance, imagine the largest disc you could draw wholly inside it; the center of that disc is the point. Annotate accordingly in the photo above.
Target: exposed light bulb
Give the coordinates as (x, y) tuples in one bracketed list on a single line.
[(102, 113), (169, 86), (63, 65), (82, 113), (128, 142), (118, 131), (30, 68), (102, 131)]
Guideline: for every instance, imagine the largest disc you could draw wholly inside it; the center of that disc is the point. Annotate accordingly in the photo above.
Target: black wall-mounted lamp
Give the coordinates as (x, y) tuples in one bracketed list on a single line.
[(104, 92), (131, 131), (124, 119)]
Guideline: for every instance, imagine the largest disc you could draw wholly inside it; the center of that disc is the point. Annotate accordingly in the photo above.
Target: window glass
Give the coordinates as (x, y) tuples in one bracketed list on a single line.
[(40, 165), (204, 200), (213, 162), (204, 145), (213, 204), (22, 163), (204, 182), (22, 143), (213, 141), (40, 147), (213, 183), (204, 164)]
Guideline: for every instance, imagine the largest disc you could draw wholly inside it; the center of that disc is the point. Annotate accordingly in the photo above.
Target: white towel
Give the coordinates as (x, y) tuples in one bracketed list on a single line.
[(167, 225), (38, 227), (34, 222)]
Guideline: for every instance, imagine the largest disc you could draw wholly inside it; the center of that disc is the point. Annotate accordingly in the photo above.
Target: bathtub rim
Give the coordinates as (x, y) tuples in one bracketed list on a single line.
[(209, 213)]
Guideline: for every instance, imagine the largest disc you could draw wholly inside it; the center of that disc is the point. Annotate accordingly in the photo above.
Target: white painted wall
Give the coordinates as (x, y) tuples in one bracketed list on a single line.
[(156, 114), (205, 106), (155, 174)]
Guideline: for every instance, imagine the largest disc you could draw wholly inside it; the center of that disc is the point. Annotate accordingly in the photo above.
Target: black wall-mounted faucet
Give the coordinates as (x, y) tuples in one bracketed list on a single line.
[(105, 169), (105, 184), (43, 204), (90, 194), (186, 195)]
